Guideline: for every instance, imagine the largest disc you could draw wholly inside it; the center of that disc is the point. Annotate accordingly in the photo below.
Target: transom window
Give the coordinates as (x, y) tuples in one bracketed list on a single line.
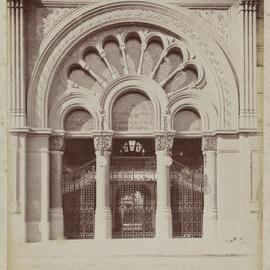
[(132, 147)]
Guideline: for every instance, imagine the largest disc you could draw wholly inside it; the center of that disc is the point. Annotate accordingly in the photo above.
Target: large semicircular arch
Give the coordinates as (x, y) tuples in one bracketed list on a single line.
[(89, 18)]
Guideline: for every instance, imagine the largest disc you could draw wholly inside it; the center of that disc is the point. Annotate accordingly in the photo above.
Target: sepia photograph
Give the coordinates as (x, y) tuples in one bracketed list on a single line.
[(134, 135)]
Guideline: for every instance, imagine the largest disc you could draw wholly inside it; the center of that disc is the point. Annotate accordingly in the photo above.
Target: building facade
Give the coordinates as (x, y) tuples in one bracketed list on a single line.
[(135, 132)]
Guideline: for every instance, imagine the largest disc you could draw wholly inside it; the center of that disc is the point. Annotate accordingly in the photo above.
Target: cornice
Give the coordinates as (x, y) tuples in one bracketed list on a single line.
[(182, 3)]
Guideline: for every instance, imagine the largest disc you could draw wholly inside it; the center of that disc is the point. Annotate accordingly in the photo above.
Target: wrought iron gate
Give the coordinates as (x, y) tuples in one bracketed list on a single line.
[(133, 197), (187, 200), (79, 202)]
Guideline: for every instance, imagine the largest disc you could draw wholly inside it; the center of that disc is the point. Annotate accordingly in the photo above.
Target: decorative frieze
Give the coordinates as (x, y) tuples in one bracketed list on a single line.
[(209, 143), (57, 143)]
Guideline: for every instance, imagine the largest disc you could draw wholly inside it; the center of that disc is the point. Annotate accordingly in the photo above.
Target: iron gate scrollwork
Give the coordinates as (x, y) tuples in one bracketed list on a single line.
[(133, 197), (187, 200), (79, 202)]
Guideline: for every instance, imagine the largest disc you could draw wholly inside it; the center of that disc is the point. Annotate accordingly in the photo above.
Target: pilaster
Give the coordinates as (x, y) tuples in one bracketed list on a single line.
[(37, 203), (248, 63), (16, 80)]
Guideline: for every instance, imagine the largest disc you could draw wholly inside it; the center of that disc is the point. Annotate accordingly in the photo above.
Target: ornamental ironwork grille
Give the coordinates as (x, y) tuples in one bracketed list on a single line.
[(79, 202), (133, 197), (187, 200)]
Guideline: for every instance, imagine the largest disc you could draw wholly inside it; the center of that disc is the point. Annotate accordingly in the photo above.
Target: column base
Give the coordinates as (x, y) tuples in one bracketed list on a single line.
[(163, 223), (56, 224), (103, 224), (36, 231), (210, 224)]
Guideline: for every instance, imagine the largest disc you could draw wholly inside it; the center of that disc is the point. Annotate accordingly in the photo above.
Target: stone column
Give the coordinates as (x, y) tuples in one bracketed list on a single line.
[(163, 213), (37, 203), (56, 207), (209, 147), (103, 217)]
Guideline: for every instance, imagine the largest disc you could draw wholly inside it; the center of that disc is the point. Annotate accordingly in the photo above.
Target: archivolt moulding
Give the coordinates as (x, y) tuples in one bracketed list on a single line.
[(87, 19)]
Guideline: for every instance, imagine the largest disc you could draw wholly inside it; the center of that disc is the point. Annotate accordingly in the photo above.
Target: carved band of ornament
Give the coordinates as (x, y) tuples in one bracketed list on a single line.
[(103, 143), (209, 143), (164, 142), (57, 143), (15, 4)]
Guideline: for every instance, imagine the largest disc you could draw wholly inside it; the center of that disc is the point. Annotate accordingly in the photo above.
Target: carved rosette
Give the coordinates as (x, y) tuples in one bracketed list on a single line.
[(57, 143), (103, 142), (164, 142), (209, 143)]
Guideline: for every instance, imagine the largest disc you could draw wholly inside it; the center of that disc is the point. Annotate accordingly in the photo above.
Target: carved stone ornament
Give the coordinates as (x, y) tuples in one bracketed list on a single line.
[(57, 143), (55, 15), (103, 143), (218, 19), (15, 3), (181, 24), (209, 143), (163, 142)]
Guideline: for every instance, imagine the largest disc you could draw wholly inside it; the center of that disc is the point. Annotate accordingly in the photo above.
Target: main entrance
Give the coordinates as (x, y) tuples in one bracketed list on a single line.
[(133, 189)]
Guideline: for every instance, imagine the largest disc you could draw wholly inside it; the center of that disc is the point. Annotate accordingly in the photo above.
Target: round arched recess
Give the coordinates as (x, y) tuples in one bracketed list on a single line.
[(68, 102), (78, 120), (139, 84), (70, 31), (187, 120), (203, 107), (133, 111)]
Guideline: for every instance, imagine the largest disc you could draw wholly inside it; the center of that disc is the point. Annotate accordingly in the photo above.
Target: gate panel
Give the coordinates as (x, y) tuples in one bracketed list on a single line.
[(186, 200), (133, 197), (79, 203)]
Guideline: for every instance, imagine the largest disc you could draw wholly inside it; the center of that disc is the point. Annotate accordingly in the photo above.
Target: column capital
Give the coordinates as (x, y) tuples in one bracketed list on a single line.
[(209, 143), (57, 143), (164, 141), (103, 141), (248, 5), (15, 3)]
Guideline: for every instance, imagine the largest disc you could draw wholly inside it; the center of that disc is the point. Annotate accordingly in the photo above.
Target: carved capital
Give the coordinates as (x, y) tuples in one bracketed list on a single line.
[(164, 142), (103, 142), (209, 143), (15, 3), (248, 5), (57, 143)]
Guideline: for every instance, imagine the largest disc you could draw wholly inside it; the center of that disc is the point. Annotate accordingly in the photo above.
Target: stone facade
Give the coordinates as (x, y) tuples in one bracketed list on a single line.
[(105, 71)]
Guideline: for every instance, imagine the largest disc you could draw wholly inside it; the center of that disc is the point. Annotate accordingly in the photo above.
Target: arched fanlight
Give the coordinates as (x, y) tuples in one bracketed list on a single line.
[(132, 147)]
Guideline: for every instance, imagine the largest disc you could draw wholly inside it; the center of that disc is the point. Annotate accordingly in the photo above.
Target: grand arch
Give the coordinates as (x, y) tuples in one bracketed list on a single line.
[(175, 86), (188, 31)]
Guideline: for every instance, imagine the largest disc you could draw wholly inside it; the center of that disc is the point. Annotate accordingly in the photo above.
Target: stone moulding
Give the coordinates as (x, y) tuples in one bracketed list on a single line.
[(87, 19)]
